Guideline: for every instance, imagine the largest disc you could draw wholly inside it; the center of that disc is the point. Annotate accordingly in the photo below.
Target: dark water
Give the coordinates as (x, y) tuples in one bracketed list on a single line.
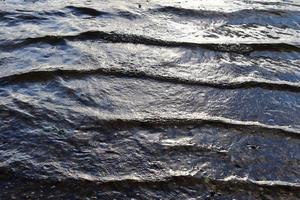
[(150, 99)]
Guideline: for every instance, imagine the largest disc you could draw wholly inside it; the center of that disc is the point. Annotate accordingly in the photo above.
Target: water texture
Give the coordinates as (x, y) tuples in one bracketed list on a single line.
[(111, 99)]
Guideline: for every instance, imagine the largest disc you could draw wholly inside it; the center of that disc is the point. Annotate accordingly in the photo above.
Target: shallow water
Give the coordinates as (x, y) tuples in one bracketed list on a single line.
[(149, 99)]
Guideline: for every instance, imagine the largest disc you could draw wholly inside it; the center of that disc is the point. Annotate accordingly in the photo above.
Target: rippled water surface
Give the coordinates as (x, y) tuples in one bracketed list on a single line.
[(111, 99)]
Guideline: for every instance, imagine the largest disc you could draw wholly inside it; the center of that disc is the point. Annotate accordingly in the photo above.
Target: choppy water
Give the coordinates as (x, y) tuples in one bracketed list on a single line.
[(150, 99)]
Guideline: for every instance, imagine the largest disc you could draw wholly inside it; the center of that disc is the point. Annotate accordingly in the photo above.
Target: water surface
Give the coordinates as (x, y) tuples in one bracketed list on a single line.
[(149, 99)]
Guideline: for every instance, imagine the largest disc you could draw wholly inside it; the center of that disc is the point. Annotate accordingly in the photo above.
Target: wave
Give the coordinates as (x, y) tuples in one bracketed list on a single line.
[(161, 120), (241, 48), (189, 119), (190, 177), (20, 17), (100, 119), (40, 75), (87, 11), (195, 13), (276, 3), (188, 12), (77, 10), (3, 14), (180, 11)]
